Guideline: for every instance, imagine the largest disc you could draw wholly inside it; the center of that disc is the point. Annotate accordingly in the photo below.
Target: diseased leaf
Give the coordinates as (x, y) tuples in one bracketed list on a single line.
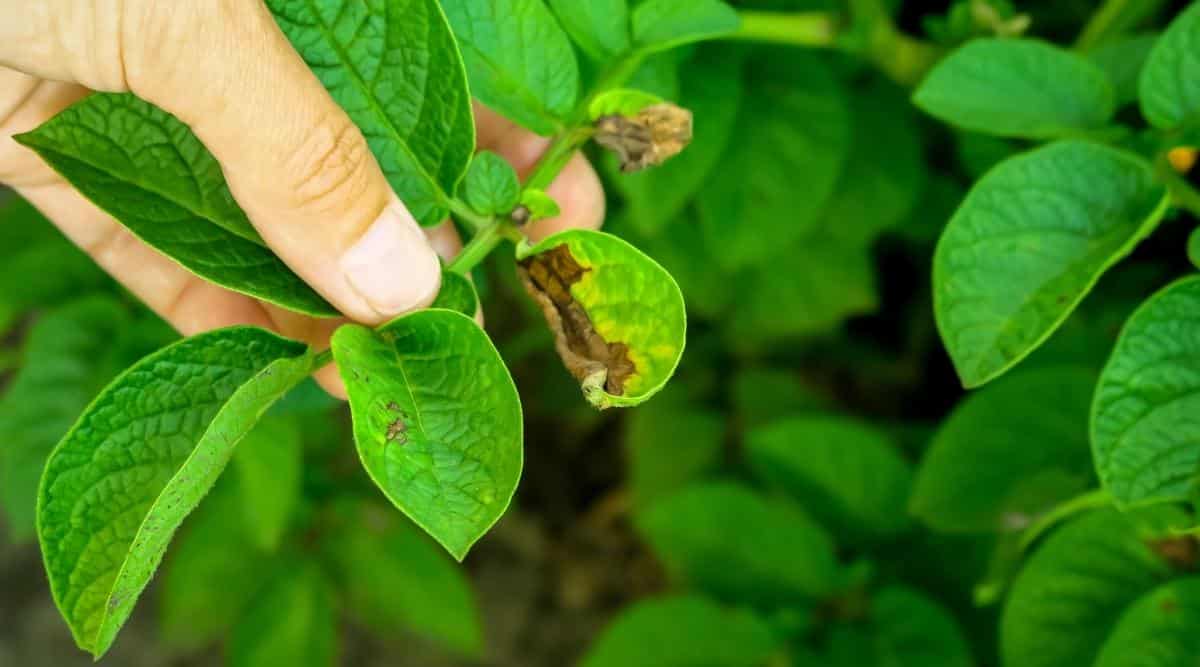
[(665, 24), (146, 169), (727, 540), (1159, 630), (793, 142), (905, 629), (268, 467), (213, 572), (1122, 60), (1146, 417), (1170, 84), (1008, 453), (393, 65), (491, 186), (518, 59), (670, 446), (457, 294), (599, 27), (848, 475), (292, 621), (621, 102), (683, 631), (1029, 242), (712, 90), (1017, 88), (396, 580), (437, 421), (68, 357), (617, 316), (139, 460), (1072, 590)]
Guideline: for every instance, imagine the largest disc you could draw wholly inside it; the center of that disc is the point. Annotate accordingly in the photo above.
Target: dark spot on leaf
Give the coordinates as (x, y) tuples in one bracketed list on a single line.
[(1182, 553), (656, 134), (548, 278), (397, 431)]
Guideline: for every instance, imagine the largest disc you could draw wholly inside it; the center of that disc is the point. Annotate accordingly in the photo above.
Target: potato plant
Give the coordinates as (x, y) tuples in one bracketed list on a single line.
[(869, 207)]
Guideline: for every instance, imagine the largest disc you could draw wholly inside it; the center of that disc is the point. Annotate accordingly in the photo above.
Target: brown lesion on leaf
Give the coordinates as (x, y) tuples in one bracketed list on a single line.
[(1182, 552), (548, 277), (655, 135), (397, 430)]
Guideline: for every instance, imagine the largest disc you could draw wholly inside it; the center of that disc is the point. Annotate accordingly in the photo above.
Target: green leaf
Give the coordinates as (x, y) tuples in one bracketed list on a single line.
[(621, 102), (1193, 248), (139, 460), (146, 169), (1159, 630), (396, 580), (291, 622), (67, 359), (599, 27), (1144, 425), (617, 316), (437, 421), (1170, 85), (905, 629), (491, 186), (669, 446), (1073, 589), (1017, 88), (1031, 430), (665, 24), (712, 90), (213, 572), (268, 467), (457, 294), (519, 60), (683, 631), (729, 541), (848, 475), (762, 395), (539, 204), (793, 141), (1029, 242), (394, 67), (1122, 61)]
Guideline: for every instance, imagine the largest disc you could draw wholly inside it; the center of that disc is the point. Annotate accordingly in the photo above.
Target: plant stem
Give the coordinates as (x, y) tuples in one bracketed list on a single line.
[(323, 358), (468, 217), (479, 248), (1113, 18), (1085, 501), (815, 29)]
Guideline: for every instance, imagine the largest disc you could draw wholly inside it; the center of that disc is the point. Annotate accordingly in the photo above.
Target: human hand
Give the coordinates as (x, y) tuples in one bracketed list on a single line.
[(294, 161)]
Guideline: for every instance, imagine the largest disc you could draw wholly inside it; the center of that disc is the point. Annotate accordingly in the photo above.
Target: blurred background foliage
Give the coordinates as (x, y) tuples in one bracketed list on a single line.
[(812, 489)]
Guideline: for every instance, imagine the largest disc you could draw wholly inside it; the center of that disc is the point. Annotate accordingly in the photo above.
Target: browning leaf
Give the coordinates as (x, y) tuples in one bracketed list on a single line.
[(592, 360), (656, 134)]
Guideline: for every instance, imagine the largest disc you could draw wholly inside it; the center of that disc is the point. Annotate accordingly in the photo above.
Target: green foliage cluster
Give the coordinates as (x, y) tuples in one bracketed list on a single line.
[(808, 488)]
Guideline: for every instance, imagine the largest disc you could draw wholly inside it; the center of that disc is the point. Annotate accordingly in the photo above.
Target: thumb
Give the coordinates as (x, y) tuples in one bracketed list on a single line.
[(293, 159)]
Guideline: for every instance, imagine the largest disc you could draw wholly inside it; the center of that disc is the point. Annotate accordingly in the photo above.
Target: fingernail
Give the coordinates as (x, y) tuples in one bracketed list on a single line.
[(393, 267)]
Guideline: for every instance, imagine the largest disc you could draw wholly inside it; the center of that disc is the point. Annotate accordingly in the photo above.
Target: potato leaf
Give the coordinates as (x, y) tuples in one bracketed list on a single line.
[(1031, 430), (1159, 630), (146, 169), (727, 540), (617, 316), (437, 421), (268, 467), (491, 186), (621, 102), (457, 294), (519, 61), (393, 65), (665, 24), (1073, 589), (1146, 416), (1017, 88), (292, 621), (1122, 61), (904, 629), (683, 631), (139, 460), (671, 446), (1029, 243), (1169, 88), (599, 27)]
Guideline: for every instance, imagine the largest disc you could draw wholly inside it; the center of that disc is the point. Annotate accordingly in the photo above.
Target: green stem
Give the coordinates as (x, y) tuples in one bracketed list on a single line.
[(323, 358), (478, 248), (814, 29), (469, 217), (1090, 500), (1113, 18)]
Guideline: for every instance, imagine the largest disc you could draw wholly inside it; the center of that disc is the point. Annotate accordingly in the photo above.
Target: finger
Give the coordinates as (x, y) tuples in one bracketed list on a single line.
[(577, 188), (295, 162)]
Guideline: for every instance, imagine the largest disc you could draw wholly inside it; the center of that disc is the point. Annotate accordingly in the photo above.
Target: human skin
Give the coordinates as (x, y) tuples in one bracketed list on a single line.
[(294, 161)]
